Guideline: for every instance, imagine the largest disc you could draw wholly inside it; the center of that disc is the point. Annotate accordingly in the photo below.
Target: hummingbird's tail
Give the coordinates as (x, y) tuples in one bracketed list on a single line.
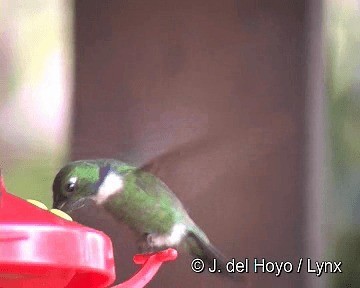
[(200, 247)]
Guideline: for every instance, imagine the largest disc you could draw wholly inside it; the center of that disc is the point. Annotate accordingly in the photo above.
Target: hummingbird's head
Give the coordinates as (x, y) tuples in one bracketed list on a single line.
[(80, 181)]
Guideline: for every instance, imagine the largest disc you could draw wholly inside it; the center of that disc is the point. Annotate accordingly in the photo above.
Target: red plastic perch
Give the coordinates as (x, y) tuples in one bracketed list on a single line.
[(151, 264)]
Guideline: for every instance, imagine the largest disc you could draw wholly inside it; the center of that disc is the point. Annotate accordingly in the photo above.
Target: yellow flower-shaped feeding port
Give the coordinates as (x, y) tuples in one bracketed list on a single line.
[(57, 212), (61, 214)]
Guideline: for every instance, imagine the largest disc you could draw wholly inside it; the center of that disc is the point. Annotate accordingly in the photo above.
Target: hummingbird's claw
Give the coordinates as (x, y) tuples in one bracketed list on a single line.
[(147, 244)]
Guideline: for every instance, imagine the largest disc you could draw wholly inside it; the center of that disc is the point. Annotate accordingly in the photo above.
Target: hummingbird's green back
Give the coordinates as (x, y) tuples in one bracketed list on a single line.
[(146, 204)]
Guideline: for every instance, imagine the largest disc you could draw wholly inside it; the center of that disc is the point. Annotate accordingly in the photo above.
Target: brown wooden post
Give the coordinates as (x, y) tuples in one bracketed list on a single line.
[(153, 74)]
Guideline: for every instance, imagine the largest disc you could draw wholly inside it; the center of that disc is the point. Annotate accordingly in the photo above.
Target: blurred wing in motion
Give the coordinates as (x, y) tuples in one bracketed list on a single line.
[(179, 153)]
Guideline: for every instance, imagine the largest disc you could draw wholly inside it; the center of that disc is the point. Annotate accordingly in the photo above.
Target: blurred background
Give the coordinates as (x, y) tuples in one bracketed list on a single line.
[(37, 58), (36, 49)]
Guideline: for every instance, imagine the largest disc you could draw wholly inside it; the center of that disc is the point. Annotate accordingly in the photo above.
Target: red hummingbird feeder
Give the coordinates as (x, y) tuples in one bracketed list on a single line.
[(40, 249)]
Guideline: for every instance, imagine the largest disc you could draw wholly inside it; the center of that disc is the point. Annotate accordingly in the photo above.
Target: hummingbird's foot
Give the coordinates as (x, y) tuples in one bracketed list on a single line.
[(150, 239), (147, 244)]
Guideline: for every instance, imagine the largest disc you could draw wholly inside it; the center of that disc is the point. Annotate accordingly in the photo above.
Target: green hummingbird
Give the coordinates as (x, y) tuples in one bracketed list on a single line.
[(137, 198)]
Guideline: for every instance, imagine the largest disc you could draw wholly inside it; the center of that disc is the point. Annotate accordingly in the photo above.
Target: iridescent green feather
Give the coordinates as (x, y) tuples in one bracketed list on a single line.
[(146, 204)]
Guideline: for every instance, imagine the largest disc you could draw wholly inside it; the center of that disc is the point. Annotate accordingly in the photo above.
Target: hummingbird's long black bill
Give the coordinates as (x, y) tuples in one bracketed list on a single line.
[(71, 205)]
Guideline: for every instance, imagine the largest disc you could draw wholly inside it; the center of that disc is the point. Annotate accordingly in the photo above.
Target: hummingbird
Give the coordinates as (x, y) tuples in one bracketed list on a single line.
[(140, 200)]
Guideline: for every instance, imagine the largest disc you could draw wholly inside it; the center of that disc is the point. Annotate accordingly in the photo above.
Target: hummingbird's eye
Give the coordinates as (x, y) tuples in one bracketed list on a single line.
[(71, 185)]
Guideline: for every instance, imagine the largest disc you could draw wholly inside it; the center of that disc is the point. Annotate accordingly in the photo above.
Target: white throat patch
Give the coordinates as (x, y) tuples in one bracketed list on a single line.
[(112, 184)]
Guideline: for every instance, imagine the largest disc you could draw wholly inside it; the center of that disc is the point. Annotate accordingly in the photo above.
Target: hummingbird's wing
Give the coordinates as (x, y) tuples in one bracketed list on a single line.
[(153, 186), (148, 206), (148, 176), (179, 153)]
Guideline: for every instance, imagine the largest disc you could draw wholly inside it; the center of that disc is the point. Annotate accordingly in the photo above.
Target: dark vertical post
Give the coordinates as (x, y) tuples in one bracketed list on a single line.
[(154, 74)]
